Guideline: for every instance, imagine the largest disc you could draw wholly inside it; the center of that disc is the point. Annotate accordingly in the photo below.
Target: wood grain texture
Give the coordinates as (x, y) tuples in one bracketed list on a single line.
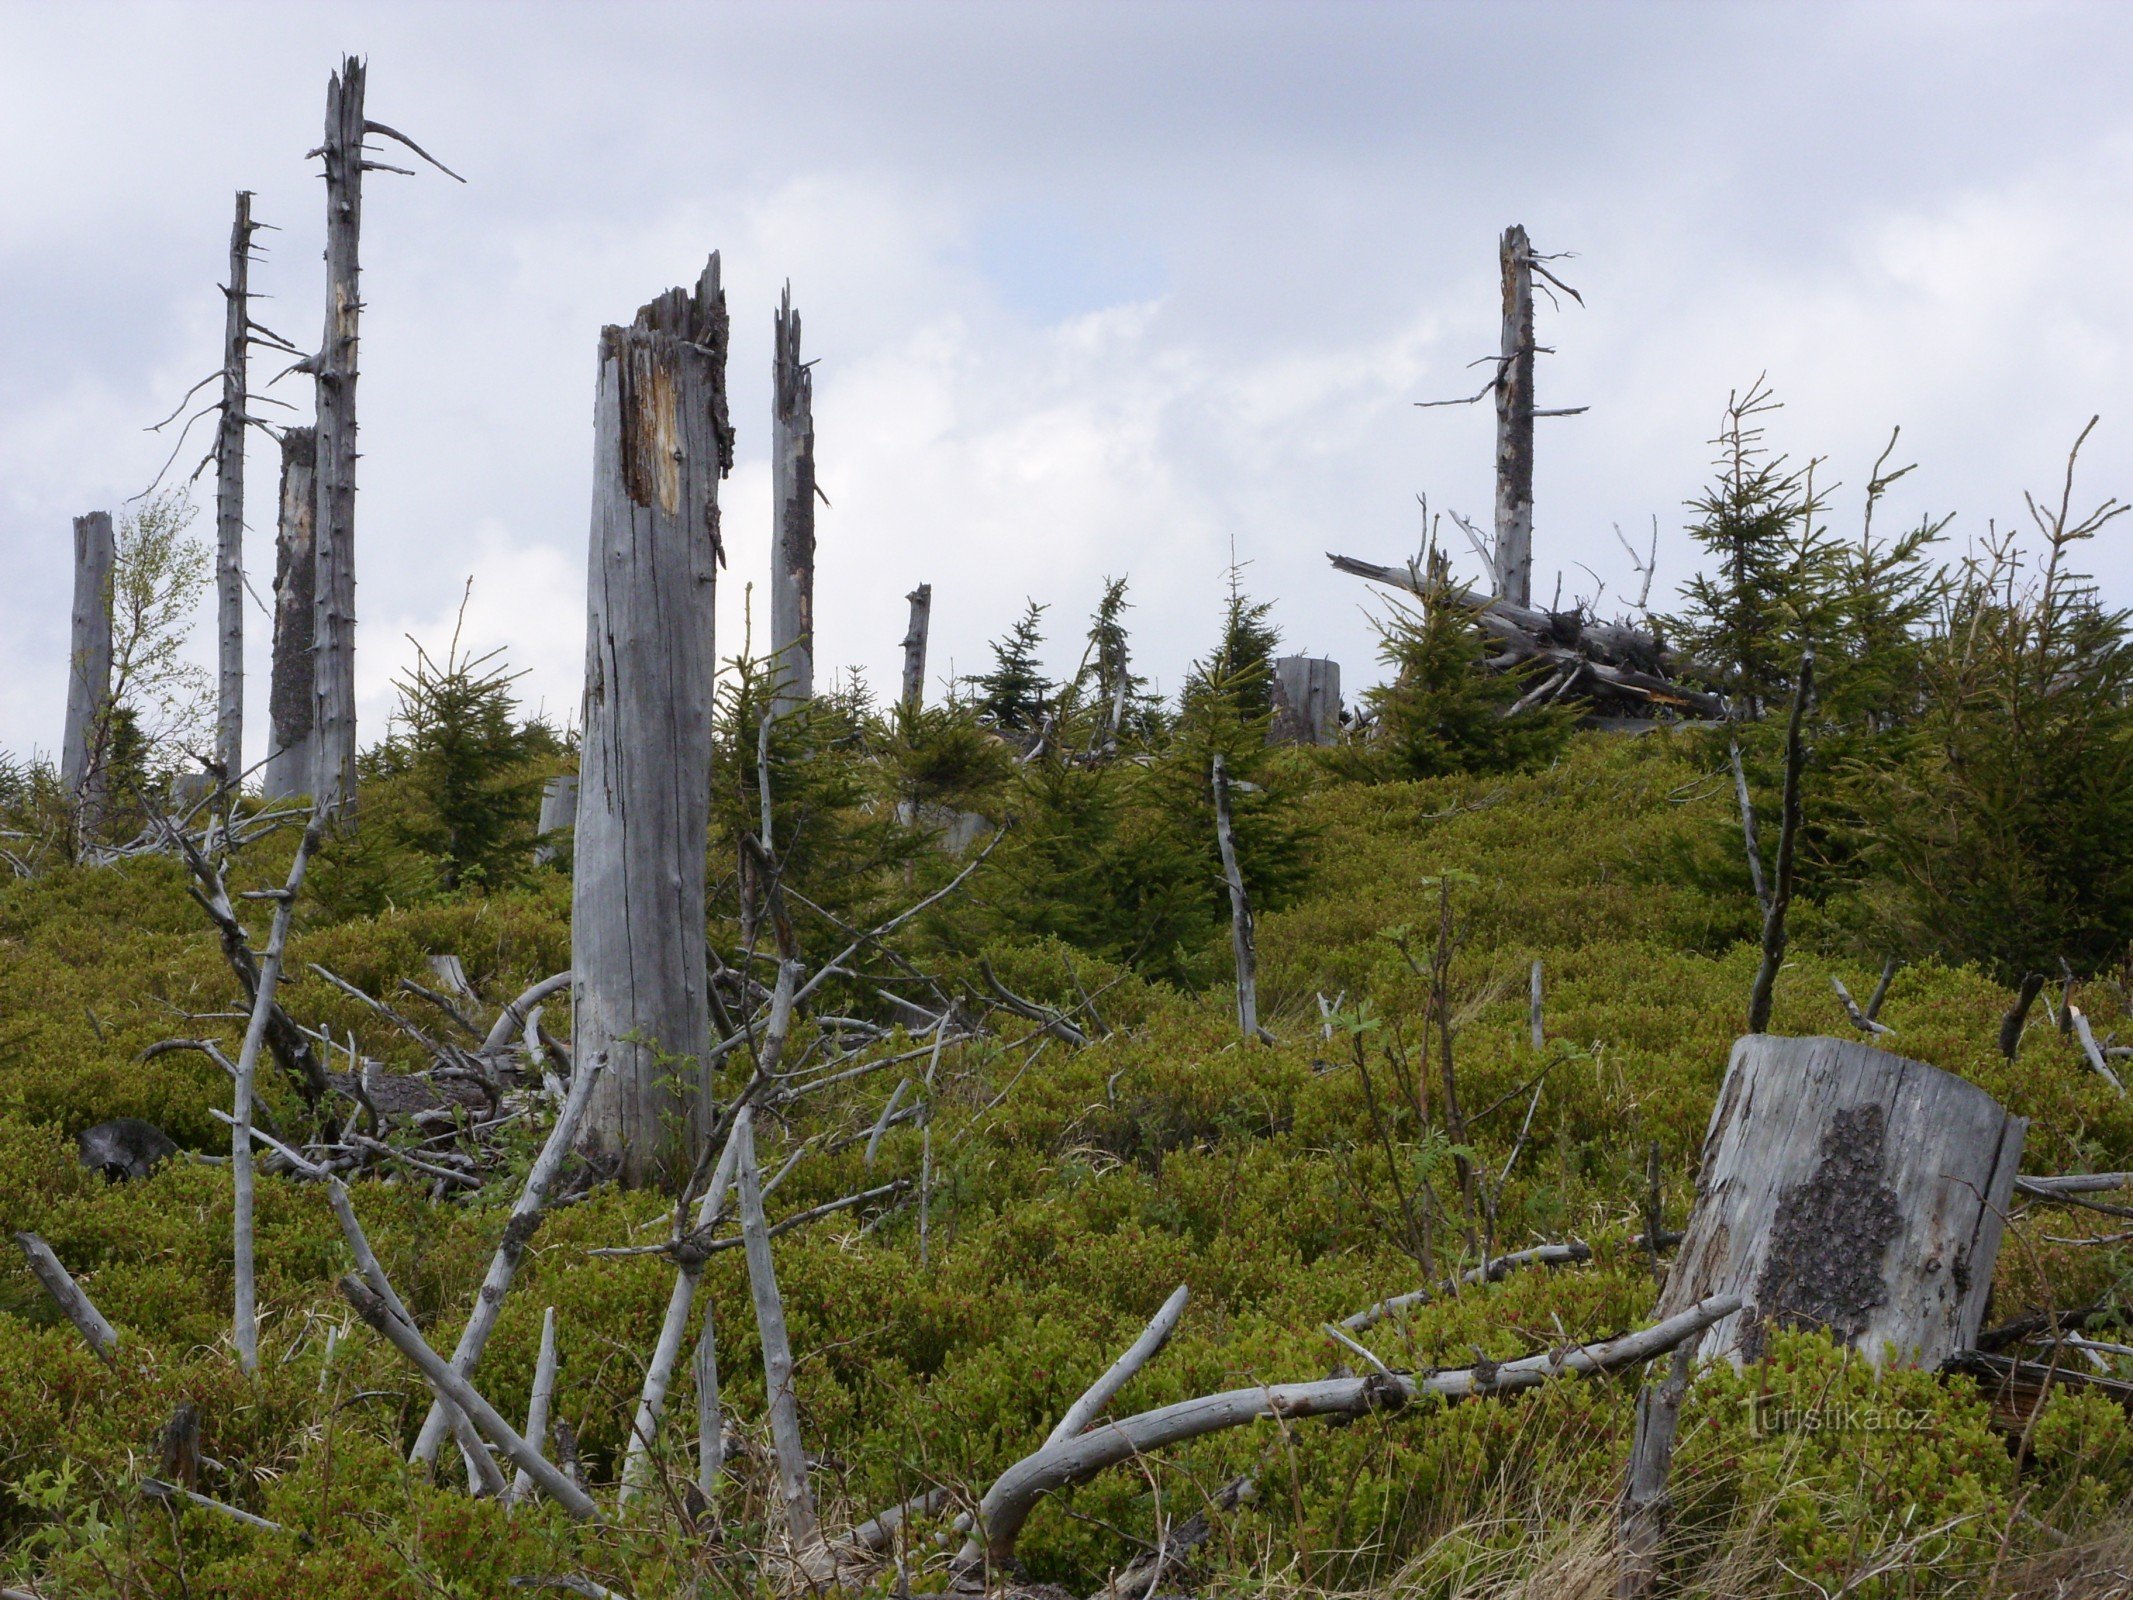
[(290, 709), (1514, 423), (662, 442), (792, 501), (1847, 1188), (81, 747), (914, 690), (229, 498), (333, 784)]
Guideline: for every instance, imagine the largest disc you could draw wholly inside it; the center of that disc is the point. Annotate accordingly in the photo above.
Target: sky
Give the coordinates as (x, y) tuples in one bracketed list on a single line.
[(1095, 290)]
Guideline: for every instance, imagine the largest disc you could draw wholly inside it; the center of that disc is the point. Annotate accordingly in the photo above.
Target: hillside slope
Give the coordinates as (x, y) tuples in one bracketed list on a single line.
[(1069, 1191)]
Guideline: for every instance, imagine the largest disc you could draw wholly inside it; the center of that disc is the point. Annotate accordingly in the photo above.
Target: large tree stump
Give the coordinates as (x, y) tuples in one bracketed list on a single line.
[(662, 442), (290, 763), (1849, 1189)]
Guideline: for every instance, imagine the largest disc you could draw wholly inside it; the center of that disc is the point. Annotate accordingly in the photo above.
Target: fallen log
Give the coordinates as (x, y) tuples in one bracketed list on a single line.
[(1613, 664), (1008, 1503), (1847, 1189), (67, 1295)]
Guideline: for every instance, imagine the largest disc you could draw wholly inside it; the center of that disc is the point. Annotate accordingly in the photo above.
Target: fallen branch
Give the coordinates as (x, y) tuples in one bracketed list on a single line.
[(68, 1296), (1862, 1020), (538, 1404), (244, 1322), (1009, 1502), (800, 1519), (1140, 1577), (1143, 1350), (157, 1489), (513, 1017), (2097, 1064), (403, 1338), (519, 1227), (1540, 1255), (879, 1531)]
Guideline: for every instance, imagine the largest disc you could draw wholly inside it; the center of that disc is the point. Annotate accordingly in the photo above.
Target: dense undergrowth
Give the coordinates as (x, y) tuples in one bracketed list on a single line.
[(1074, 1189)]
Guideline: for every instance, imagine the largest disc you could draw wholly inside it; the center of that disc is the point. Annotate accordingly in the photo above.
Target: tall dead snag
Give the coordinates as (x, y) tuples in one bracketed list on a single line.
[(290, 758), (1847, 1189), (334, 367), (81, 750), (792, 494), (229, 498), (1514, 423), (921, 600), (662, 441)]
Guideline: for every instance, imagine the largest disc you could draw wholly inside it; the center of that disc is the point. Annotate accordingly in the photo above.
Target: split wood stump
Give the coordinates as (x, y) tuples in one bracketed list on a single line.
[(1846, 1188)]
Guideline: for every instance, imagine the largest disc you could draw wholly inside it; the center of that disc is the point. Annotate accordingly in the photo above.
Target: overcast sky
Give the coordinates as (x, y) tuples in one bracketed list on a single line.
[(1094, 289)]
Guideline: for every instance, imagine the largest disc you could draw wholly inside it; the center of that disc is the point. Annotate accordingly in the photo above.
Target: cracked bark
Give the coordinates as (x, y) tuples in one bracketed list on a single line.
[(792, 494), (290, 758), (1847, 1189), (662, 442)]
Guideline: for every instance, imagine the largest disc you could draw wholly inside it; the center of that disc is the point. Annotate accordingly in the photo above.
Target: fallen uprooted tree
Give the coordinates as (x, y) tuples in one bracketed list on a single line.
[(1619, 669)]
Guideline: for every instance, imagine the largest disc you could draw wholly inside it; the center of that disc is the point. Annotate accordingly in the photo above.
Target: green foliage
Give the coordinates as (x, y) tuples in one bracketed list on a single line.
[(2010, 837), (1441, 712), (1765, 594), (1015, 694)]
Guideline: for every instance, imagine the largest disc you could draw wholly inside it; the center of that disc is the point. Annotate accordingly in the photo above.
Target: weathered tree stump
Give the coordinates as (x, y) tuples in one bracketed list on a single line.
[(1848, 1189), (1307, 700), (290, 760), (662, 442)]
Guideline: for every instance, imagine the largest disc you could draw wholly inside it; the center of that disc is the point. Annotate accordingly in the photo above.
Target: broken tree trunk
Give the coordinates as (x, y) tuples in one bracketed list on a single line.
[(67, 1295), (81, 751), (333, 782), (1307, 701), (290, 758), (229, 500), (638, 958), (559, 814), (792, 495), (921, 600), (1514, 423), (1847, 1189), (801, 1522), (1646, 1505)]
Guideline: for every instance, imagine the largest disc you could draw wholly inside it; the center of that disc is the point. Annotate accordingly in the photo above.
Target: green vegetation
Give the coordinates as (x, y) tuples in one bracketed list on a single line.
[(1966, 806)]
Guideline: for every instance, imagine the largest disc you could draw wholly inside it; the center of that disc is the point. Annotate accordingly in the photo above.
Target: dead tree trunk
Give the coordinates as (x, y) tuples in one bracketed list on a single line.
[(1848, 1189), (1307, 700), (662, 442), (1240, 910), (333, 781), (792, 493), (921, 600), (559, 814), (1514, 424), (229, 499), (290, 759), (81, 751)]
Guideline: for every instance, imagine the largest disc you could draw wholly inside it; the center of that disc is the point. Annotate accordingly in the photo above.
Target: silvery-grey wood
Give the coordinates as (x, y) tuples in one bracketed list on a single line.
[(1514, 423), (792, 504), (914, 696), (81, 749), (662, 441), (290, 759), (1307, 700), (1847, 1188), (229, 499), (333, 780)]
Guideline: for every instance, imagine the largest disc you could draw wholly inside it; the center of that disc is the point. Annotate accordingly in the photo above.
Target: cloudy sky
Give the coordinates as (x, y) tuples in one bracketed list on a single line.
[(1094, 289)]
